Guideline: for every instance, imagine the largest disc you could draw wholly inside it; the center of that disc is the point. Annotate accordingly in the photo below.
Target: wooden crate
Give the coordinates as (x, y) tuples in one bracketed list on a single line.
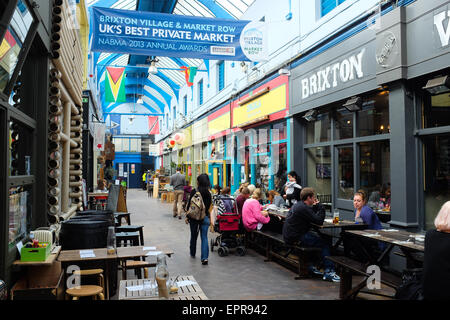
[(40, 283)]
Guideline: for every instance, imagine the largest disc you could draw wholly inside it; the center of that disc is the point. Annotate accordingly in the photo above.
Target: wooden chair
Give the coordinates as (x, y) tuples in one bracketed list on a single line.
[(88, 290), (133, 239)]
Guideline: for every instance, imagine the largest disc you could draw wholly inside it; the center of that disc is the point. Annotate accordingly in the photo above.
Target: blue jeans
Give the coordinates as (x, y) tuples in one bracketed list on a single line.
[(310, 239), (201, 226)]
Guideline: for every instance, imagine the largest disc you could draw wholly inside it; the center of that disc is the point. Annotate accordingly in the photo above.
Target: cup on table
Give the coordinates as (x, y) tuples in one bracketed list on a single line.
[(336, 216)]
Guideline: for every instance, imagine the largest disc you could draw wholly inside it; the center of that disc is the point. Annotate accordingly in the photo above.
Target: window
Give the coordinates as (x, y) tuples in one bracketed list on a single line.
[(318, 164), (328, 5), (185, 105), (320, 130), (345, 172), (200, 92), (436, 111), (375, 172), (343, 124), (436, 164), (221, 75), (374, 117)]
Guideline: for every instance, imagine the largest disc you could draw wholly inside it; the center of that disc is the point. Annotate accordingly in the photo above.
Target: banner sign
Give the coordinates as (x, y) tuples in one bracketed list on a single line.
[(169, 35), (99, 137), (153, 150)]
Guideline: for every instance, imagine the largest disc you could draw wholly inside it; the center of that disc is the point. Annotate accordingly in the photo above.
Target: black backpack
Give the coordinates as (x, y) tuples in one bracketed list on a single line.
[(411, 287)]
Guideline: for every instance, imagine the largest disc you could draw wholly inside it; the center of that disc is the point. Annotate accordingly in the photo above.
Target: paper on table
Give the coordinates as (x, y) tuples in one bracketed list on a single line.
[(390, 230), (87, 254), (372, 235), (329, 220), (185, 283), (146, 286), (403, 242), (153, 253), (149, 248)]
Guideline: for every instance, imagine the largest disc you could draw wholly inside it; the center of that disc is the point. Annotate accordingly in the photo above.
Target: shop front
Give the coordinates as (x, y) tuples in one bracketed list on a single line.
[(200, 149), (260, 153), (219, 166), (363, 120)]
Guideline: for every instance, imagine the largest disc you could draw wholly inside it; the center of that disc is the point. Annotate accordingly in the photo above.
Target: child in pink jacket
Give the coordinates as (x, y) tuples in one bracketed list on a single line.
[(251, 212)]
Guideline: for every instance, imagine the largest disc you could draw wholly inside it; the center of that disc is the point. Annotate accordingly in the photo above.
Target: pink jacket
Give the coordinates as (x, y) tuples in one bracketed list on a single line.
[(251, 214)]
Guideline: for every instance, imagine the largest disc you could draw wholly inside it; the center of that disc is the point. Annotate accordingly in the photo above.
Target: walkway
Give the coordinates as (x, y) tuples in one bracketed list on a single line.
[(224, 278)]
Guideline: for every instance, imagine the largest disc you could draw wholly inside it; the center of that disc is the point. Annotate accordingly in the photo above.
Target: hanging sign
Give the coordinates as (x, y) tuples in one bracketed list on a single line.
[(170, 35), (99, 137)]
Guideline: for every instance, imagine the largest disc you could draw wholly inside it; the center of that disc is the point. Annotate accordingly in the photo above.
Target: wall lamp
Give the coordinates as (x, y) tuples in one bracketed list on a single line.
[(311, 115), (438, 85), (353, 104)]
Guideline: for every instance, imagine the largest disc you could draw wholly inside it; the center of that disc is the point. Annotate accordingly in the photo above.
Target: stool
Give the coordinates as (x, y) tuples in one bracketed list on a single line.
[(131, 228), (88, 290), (120, 215), (132, 237)]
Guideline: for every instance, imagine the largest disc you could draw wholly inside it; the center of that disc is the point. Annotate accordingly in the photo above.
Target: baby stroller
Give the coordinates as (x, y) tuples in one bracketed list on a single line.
[(229, 224)]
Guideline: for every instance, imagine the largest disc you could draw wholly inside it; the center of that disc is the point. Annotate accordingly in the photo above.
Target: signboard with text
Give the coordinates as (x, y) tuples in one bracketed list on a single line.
[(160, 34)]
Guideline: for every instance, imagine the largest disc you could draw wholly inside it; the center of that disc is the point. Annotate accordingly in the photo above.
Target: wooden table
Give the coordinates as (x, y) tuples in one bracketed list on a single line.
[(68, 257), (403, 239), (189, 292), (344, 225), (137, 252)]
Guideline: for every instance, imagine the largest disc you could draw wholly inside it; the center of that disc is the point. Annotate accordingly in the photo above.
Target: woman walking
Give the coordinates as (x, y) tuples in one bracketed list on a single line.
[(203, 188)]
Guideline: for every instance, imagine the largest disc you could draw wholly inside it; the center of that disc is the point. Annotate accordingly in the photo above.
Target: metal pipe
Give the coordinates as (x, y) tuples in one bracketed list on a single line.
[(69, 213)]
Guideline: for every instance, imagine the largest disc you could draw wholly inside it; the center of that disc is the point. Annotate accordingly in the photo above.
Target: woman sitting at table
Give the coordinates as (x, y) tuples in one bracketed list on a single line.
[(436, 265), (275, 198), (364, 213), (253, 216)]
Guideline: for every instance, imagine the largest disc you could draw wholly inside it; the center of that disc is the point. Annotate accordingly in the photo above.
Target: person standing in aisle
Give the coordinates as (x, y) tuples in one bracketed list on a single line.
[(144, 180), (204, 188), (178, 181)]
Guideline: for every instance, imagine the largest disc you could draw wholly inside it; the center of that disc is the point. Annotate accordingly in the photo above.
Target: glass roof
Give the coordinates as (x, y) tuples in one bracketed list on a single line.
[(230, 9)]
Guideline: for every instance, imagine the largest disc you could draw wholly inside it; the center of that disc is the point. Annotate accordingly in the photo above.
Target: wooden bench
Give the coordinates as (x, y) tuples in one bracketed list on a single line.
[(303, 253), (347, 267)]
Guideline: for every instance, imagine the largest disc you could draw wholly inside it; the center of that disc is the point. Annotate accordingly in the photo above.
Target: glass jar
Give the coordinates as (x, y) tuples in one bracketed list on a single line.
[(162, 276), (111, 241)]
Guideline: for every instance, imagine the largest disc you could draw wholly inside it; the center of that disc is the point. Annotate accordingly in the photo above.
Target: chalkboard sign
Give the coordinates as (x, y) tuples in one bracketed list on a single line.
[(113, 196)]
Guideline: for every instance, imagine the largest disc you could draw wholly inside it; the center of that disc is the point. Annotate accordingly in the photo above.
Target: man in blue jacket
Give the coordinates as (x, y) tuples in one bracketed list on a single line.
[(297, 228)]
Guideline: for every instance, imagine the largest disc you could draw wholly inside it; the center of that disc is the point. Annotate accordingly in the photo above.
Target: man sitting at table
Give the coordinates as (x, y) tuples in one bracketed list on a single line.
[(297, 228)]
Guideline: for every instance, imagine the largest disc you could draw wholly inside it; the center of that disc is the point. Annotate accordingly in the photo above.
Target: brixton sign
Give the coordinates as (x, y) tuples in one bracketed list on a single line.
[(334, 74)]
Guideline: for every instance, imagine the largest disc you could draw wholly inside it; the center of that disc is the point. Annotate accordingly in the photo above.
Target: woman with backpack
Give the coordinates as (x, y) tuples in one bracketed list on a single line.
[(200, 205)]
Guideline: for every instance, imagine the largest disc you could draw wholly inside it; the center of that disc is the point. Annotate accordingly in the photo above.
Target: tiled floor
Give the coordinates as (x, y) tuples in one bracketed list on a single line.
[(231, 277)]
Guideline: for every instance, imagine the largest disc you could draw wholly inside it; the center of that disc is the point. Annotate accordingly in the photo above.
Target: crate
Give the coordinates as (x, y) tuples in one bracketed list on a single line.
[(35, 254), (40, 283)]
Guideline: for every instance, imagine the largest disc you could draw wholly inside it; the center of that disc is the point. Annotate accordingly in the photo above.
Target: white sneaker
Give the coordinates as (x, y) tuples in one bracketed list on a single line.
[(331, 276)]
